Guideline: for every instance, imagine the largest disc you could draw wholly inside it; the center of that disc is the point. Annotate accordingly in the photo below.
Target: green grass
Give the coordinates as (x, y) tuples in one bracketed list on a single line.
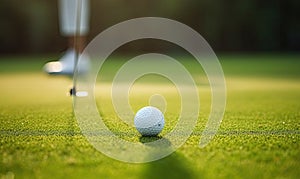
[(258, 138)]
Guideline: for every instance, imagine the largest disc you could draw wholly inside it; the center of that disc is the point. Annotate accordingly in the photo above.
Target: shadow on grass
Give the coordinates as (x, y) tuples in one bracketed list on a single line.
[(147, 139), (150, 141), (174, 166)]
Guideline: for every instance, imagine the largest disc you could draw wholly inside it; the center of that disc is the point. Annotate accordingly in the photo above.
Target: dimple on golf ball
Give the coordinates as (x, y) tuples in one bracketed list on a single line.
[(149, 121)]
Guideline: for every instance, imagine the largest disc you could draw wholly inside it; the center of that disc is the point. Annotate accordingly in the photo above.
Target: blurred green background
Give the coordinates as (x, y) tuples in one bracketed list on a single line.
[(31, 26)]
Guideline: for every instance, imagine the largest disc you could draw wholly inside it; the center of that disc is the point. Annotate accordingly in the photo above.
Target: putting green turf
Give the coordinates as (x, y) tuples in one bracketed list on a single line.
[(258, 138)]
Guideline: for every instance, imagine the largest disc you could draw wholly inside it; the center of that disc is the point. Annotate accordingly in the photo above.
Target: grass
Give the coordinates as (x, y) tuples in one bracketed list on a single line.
[(258, 138)]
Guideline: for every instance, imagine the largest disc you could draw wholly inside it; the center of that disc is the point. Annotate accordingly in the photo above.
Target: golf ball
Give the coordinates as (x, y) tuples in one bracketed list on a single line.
[(149, 121)]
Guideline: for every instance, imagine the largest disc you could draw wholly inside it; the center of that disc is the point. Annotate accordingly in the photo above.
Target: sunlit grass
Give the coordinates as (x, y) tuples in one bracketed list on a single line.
[(258, 138)]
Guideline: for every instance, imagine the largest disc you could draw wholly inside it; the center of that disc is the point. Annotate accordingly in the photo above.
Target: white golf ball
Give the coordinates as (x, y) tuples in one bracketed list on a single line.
[(149, 121)]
